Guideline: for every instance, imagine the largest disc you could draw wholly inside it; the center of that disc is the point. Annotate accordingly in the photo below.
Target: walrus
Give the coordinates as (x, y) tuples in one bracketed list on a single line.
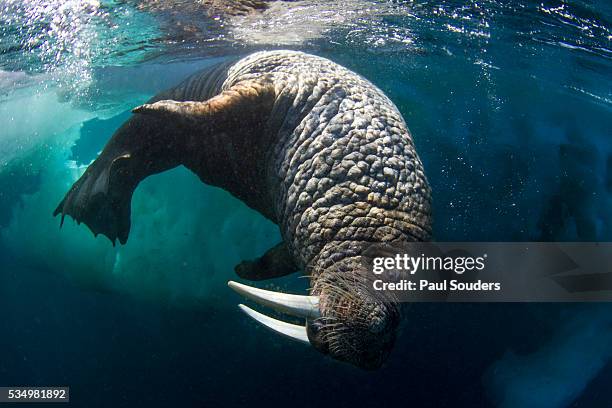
[(309, 144)]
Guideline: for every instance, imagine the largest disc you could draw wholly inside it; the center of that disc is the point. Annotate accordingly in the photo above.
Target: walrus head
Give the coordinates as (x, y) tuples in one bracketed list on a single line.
[(345, 317), (357, 324)]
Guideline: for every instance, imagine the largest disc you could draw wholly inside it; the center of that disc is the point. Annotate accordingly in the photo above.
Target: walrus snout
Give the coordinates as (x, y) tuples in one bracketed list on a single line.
[(343, 317), (358, 325)]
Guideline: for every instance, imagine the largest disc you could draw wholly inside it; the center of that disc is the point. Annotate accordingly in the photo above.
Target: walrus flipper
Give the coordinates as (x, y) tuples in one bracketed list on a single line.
[(213, 138), (276, 262), (228, 138), (228, 111), (91, 200)]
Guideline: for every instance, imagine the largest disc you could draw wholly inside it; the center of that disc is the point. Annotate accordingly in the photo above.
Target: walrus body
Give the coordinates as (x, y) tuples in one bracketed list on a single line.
[(312, 146)]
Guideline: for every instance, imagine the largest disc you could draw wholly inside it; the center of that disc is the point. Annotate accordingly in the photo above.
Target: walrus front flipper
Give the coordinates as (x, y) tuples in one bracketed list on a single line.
[(276, 262)]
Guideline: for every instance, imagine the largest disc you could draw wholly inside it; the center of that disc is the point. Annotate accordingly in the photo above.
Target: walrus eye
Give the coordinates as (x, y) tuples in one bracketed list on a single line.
[(295, 305)]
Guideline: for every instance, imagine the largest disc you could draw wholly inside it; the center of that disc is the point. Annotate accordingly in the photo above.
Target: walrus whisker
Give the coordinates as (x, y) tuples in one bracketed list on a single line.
[(292, 331), (294, 305)]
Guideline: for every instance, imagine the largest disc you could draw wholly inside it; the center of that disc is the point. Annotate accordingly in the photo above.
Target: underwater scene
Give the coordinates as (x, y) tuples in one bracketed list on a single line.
[(509, 104)]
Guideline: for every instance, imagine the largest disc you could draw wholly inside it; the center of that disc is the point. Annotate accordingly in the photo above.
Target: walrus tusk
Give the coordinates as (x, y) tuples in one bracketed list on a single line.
[(294, 305), (286, 329)]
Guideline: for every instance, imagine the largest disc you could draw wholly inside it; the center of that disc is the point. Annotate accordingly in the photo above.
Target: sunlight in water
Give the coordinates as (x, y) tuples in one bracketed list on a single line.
[(67, 39)]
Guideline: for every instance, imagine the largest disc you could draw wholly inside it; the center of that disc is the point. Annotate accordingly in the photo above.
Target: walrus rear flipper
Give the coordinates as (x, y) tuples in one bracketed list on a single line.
[(218, 139), (104, 210), (227, 138), (230, 111)]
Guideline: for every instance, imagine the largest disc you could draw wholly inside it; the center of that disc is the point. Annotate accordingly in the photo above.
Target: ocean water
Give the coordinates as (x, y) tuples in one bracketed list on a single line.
[(510, 107)]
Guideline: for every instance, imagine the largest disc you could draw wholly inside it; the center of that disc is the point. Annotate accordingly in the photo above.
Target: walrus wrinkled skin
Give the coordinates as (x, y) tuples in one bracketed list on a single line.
[(312, 146)]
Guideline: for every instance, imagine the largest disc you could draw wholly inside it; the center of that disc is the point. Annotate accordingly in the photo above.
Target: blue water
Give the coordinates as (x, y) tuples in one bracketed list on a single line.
[(510, 108)]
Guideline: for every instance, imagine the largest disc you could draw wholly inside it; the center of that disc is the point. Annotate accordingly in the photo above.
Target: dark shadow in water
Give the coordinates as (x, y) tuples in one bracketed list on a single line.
[(581, 184)]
